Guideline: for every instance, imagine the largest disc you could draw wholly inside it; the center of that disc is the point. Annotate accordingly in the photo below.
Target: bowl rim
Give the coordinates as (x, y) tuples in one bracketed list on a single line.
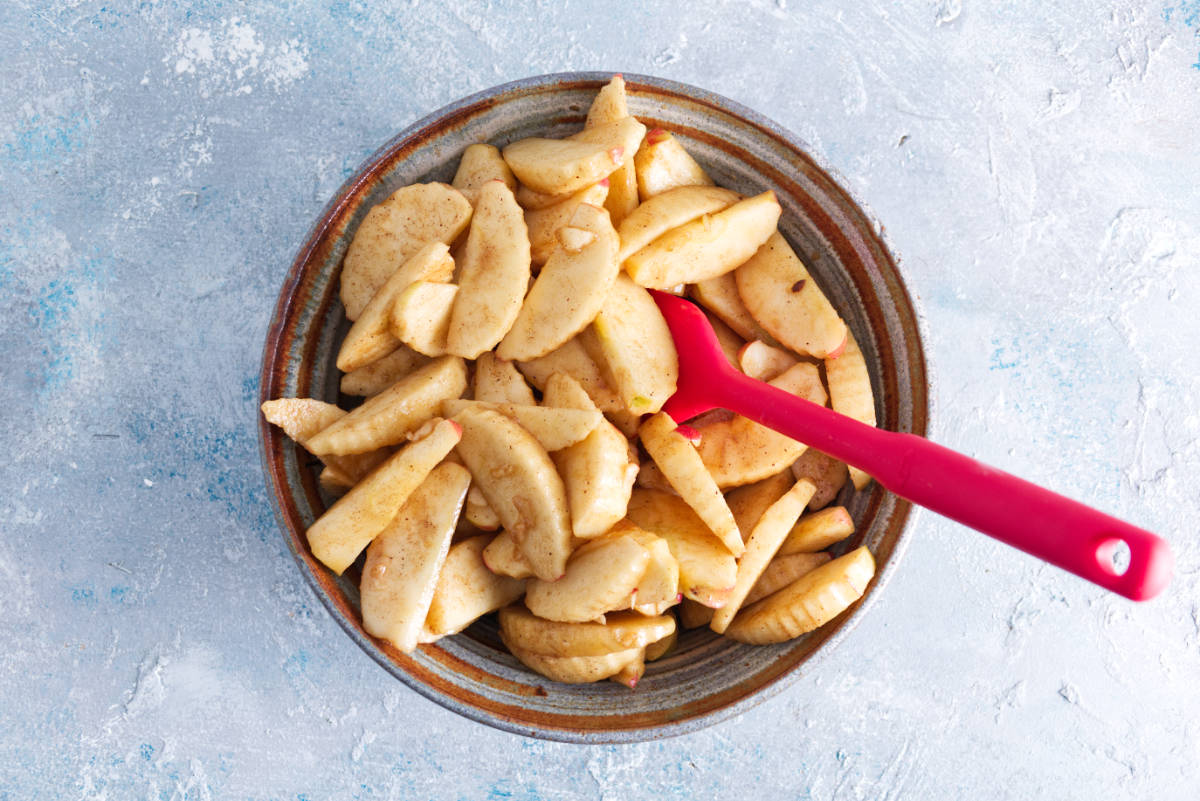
[(346, 194)]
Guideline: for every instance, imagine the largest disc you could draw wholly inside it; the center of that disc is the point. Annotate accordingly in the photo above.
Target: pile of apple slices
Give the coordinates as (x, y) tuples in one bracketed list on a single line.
[(510, 454)]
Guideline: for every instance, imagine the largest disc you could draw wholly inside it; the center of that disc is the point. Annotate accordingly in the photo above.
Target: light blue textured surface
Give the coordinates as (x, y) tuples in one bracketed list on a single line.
[(1035, 167)]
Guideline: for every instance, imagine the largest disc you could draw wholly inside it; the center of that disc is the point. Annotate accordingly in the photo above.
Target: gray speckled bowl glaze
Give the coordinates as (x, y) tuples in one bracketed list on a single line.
[(706, 678)]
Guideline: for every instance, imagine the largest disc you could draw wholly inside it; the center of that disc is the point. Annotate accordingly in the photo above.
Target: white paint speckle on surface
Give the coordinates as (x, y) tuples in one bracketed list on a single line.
[(1033, 165)]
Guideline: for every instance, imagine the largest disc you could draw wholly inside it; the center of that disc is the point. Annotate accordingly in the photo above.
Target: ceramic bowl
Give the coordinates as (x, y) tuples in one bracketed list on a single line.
[(707, 678)]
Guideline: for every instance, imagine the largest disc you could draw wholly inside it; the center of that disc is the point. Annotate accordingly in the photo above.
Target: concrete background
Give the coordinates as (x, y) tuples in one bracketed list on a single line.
[(1036, 166)]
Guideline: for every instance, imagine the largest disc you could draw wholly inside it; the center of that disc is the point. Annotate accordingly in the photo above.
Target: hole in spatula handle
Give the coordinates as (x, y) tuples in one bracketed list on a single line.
[(1113, 555)]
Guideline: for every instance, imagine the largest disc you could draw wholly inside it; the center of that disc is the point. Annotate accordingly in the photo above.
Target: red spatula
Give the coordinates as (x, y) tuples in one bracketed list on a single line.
[(1058, 530)]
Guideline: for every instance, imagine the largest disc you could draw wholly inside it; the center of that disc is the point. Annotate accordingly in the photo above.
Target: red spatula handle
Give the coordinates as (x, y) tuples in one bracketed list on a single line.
[(1049, 526)]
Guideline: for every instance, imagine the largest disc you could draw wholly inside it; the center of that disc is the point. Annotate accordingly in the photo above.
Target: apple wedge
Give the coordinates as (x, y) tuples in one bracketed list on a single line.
[(811, 601), (631, 343), (620, 631), (658, 588), (466, 590), (499, 381), (765, 539), (731, 344), (371, 338), (738, 451), (479, 512), (694, 615), (632, 673), (818, 530), (667, 211), (404, 560), (657, 650), (572, 358), (560, 166), (662, 164), (705, 248), (600, 577), (827, 474), (598, 471), (683, 467), (759, 360), (393, 231), (478, 165), (568, 293), (786, 301), (421, 315), (576, 669), (380, 374), (554, 429), (515, 474), (749, 502), (389, 417), (493, 273), (850, 393), (504, 557), (720, 296), (707, 570), (783, 570), (545, 223), (611, 105), (339, 536), (303, 418)]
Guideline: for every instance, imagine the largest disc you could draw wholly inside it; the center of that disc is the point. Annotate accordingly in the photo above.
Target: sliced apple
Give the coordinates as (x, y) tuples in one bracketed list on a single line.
[(403, 562), (738, 451), (631, 343), (389, 417), (370, 338), (683, 467), (515, 474), (600, 577), (765, 539), (478, 165), (658, 588), (576, 669), (499, 381), (786, 301), (545, 223), (421, 315), (657, 650), (340, 534), (598, 472), (749, 502), (632, 673), (393, 231), (559, 166), (811, 601), (466, 590), (479, 512), (494, 273), (620, 631), (827, 474), (850, 393), (554, 429), (568, 293), (818, 530), (759, 360), (609, 106), (707, 570), (705, 248), (373, 378), (668, 211), (503, 556), (662, 164), (783, 570), (694, 615), (720, 296)]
